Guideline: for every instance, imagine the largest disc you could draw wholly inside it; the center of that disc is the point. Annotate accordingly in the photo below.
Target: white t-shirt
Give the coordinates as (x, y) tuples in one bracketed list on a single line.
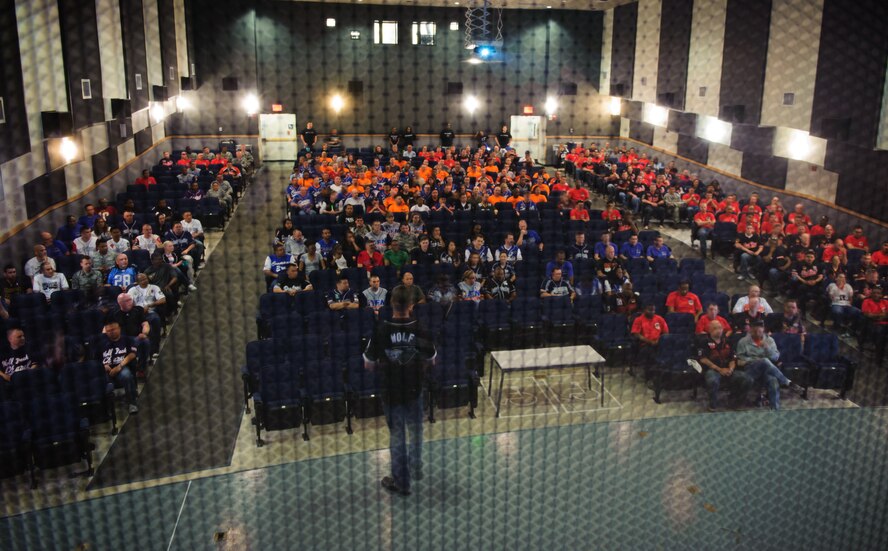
[(743, 301), (49, 285), (32, 266), (118, 246), (193, 227), (147, 243), (840, 296), (87, 247), (147, 296)]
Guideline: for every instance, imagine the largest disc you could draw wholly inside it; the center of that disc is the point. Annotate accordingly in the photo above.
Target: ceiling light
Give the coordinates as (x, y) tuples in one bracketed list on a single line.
[(331, 22), (454, 25), (251, 104), (799, 145)]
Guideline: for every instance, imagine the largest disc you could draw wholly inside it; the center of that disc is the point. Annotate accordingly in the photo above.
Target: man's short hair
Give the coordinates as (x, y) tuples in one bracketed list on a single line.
[(757, 323), (8, 267), (401, 299)]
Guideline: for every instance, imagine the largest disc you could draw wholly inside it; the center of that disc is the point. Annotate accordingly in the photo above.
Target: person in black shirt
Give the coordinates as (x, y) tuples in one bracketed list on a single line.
[(447, 135), (747, 251), (16, 358), (394, 137), (134, 323), (342, 297), (11, 284), (481, 137), (580, 250), (404, 351), (499, 286), (504, 138), (715, 355), (423, 255), (309, 136), (407, 138), (118, 353)]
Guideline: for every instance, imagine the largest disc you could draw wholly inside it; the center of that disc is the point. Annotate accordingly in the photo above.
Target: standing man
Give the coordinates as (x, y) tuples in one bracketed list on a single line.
[(309, 136), (404, 351), (447, 135)]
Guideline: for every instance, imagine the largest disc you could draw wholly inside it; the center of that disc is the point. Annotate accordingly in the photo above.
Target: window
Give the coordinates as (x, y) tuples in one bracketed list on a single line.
[(385, 32), (423, 33)]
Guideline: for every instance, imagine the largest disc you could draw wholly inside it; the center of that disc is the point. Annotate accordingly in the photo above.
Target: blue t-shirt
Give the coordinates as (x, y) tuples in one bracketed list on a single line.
[(632, 251), (567, 270), (662, 252), (122, 278)]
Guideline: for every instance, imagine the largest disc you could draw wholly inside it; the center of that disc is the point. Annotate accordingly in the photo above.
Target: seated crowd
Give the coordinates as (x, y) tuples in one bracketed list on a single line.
[(462, 224), (103, 285)]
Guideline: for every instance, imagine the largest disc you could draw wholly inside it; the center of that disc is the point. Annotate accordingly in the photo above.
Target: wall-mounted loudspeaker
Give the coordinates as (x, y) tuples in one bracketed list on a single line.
[(229, 84), (56, 124), (160, 93)]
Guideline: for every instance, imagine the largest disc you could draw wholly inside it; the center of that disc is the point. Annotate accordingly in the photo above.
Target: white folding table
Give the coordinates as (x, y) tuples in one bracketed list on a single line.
[(536, 359)]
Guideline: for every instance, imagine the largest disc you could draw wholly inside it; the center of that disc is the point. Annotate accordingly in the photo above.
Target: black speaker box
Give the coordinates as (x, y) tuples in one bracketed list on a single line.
[(56, 124)]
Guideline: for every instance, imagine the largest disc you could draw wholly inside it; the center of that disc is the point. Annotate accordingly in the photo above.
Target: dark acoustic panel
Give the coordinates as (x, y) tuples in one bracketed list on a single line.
[(144, 140), (675, 43), (44, 192), (132, 23), (166, 19), (850, 77), (121, 108), (454, 89), (857, 168), (567, 89), (681, 122), (56, 124), (229, 84), (765, 169), (641, 131), (186, 83), (160, 93), (693, 148), (14, 136), (622, 69), (119, 130), (633, 110), (747, 27), (80, 47), (753, 139), (104, 163)]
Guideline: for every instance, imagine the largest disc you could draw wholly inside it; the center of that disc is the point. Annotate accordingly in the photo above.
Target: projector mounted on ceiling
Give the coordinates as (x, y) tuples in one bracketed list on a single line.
[(484, 32)]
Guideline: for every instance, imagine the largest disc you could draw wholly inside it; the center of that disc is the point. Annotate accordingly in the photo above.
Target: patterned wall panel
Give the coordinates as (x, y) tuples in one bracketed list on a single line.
[(104, 163), (78, 176), (142, 140), (883, 122), (44, 191), (860, 187), (80, 43), (166, 18), (747, 25), (664, 139), (606, 48), (764, 169), (181, 38), (792, 62), (851, 71), (696, 149), (14, 139), (623, 49), (705, 56), (641, 131), (647, 51), (111, 50), (152, 43), (753, 139), (812, 180), (675, 41), (724, 158), (133, 22)]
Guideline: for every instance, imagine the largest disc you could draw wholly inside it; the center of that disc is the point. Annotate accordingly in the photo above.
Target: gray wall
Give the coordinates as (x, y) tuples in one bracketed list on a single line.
[(301, 62)]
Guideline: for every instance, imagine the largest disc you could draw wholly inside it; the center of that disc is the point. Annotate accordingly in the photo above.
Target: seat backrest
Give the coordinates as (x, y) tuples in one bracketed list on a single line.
[(54, 417), (557, 308), (613, 326), (789, 345), (673, 347), (33, 383), (12, 426), (525, 309), (821, 347), (703, 283), (680, 323), (692, 266), (588, 306), (493, 311), (280, 381)]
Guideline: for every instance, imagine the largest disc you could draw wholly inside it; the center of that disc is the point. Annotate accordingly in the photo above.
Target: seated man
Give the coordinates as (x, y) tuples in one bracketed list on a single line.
[(35, 264), (625, 302), (184, 245), (85, 244), (791, 322), (756, 354), (602, 246), (165, 277), (658, 250), (49, 281), (499, 286), (631, 248), (290, 281), (88, 280), (342, 297), (683, 301), (423, 255), (704, 223), (647, 329), (443, 292), (150, 298), (413, 291), (562, 264), (747, 253), (845, 316), (17, 357), (712, 316), (396, 257), (193, 226), (118, 353), (580, 250), (122, 274), (717, 359), (134, 323), (276, 263), (375, 295), (742, 304), (875, 310), (557, 286), (807, 280), (13, 284)]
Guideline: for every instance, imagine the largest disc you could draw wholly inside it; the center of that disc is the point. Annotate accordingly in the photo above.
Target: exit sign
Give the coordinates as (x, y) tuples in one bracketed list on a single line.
[(528, 109), (276, 107)]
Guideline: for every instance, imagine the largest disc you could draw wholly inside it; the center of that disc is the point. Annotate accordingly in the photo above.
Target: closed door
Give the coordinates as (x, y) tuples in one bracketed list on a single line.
[(278, 137)]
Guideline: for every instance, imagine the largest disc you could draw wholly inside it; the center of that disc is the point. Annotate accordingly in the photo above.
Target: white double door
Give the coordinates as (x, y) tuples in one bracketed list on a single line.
[(278, 137)]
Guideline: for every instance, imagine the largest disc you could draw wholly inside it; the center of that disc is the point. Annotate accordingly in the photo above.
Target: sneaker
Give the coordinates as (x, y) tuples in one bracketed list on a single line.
[(796, 388), (133, 408), (389, 484), (192, 287)]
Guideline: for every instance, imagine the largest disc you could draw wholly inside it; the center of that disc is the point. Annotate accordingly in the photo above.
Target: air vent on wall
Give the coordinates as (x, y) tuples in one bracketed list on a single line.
[(567, 89), (789, 98), (356, 89), (86, 88), (702, 91), (229, 84), (454, 88)]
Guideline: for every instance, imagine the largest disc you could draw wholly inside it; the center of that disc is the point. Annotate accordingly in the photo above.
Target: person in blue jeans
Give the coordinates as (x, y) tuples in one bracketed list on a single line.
[(404, 351), (118, 353), (756, 354)]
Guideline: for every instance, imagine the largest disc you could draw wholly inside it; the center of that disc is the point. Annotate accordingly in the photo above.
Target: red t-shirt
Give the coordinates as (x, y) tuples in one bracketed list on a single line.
[(650, 328), (369, 262), (880, 258), (870, 306), (704, 219), (704, 321), (579, 214), (578, 194), (688, 304), (857, 242), (830, 252), (147, 182)]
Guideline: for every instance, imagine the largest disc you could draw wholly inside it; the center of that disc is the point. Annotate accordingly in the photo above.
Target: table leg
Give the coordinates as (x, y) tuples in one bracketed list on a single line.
[(601, 374), (499, 396), (490, 381)]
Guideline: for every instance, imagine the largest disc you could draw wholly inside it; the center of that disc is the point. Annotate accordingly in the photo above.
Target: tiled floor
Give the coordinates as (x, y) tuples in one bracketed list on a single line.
[(810, 479), (555, 448)]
